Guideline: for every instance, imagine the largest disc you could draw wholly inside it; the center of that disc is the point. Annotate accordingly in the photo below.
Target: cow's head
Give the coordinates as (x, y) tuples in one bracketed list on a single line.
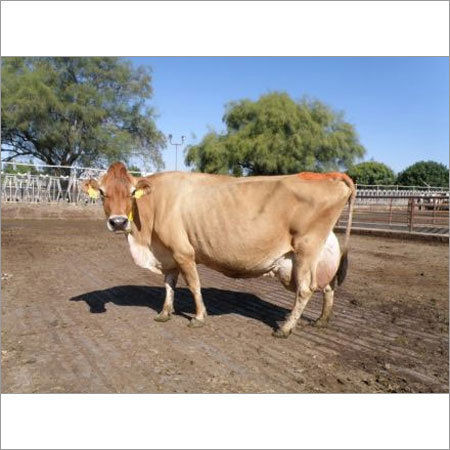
[(118, 190)]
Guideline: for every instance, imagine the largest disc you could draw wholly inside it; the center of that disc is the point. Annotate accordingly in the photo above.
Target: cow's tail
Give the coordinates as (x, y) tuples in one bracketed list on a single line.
[(343, 264)]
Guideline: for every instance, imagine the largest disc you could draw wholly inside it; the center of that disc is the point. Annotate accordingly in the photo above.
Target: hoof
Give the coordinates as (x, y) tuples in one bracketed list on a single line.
[(161, 317), (320, 323), (196, 323), (281, 333)]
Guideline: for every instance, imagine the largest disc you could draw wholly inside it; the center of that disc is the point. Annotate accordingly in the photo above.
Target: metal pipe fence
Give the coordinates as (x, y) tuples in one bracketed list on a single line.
[(418, 214), (36, 186), (398, 188), (41, 189)]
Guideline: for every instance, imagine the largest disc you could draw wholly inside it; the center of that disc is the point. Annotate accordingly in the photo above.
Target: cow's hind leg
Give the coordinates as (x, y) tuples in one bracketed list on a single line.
[(189, 270), (306, 254), (170, 281), (327, 306), (303, 294)]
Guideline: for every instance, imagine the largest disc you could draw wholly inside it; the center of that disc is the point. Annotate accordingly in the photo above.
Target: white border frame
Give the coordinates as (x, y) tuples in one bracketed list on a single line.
[(203, 28), (186, 28)]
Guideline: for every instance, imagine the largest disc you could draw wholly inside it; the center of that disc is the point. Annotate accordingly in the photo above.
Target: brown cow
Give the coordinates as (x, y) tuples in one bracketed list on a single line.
[(242, 227)]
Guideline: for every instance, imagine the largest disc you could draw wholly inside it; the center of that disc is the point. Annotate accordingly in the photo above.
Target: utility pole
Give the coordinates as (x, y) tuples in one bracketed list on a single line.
[(176, 144)]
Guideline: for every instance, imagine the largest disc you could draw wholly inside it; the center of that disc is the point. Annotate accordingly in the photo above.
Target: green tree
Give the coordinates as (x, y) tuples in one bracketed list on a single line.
[(371, 172), (424, 173), (276, 135), (78, 110)]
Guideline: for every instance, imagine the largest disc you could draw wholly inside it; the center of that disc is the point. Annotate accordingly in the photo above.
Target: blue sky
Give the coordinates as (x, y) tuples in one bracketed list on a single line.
[(399, 106)]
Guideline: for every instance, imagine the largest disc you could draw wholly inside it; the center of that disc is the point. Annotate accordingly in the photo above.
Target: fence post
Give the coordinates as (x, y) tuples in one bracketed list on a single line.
[(390, 211), (410, 214), (434, 210)]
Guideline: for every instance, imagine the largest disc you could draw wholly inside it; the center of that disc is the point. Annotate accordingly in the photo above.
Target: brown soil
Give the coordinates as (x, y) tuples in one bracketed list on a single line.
[(77, 317)]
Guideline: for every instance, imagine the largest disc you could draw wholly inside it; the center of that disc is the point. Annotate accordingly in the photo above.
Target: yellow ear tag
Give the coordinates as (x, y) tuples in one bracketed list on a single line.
[(92, 192), (139, 193), (130, 216)]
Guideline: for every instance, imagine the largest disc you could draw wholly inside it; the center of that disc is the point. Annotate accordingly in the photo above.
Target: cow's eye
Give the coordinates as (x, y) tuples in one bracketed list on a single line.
[(101, 192), (133, 192)]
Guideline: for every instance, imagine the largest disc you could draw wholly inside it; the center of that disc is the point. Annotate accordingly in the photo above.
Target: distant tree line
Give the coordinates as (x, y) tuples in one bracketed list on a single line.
[(421, 173)]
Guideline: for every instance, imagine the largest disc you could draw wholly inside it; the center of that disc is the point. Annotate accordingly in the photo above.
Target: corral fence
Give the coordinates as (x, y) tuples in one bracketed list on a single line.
[(46, 186), (41, 188), (419, 209), (413, 213)]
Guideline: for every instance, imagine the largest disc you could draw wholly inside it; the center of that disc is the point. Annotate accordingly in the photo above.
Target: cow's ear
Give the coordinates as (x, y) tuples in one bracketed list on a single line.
[(142, 187), (91, 188)]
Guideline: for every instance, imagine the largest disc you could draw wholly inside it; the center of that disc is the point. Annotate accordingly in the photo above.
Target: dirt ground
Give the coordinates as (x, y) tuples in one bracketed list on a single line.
[(77, 317)]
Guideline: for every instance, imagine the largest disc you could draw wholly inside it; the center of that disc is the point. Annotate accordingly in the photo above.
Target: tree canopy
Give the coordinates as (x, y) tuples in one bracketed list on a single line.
[(371, 172), (78, 110), (277, 135), (424, 173)]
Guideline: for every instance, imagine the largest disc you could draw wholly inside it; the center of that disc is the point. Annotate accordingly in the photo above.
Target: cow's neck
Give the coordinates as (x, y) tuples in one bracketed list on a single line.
[(142, 224)]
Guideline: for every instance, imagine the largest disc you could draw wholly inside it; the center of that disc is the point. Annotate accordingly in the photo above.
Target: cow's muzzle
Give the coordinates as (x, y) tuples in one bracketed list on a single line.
[(118, 223)]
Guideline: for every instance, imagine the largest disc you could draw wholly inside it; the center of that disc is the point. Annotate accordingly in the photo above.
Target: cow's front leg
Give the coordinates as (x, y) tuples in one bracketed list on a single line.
[(170, 281), (189, 270)]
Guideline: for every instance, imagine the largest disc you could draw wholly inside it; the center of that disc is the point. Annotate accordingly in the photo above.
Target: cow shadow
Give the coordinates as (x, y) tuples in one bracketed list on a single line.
[(217, 302)]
